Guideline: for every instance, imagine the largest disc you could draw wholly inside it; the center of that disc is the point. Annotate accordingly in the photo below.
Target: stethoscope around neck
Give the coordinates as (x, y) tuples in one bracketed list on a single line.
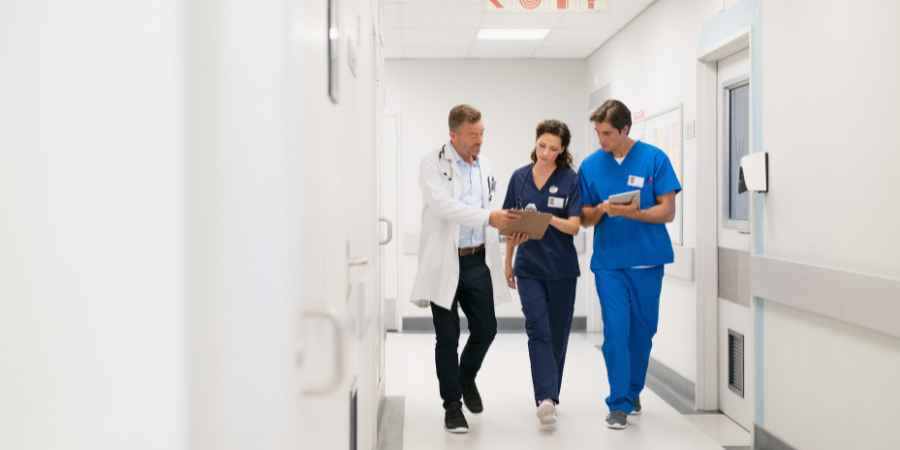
[(448, 174)]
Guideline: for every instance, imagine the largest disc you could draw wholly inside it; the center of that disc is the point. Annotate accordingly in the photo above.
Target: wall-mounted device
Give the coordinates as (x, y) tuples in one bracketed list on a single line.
[(754, 173)]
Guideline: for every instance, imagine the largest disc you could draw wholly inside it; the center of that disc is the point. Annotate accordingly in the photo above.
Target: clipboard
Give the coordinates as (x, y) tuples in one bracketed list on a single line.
[(532, 223)]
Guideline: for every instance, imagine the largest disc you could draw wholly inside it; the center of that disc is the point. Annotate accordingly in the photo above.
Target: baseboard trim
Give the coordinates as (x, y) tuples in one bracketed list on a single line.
[(390, 423), (671, 386), (504, 324), (764, 440)]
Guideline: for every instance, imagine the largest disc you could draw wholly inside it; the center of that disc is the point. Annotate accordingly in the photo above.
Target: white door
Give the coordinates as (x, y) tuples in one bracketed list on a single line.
[(390, 250), (735, 320), (335, 149)]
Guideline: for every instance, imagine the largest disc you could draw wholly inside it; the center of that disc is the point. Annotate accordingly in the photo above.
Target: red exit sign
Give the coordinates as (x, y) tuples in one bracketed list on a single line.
[(546, 5)]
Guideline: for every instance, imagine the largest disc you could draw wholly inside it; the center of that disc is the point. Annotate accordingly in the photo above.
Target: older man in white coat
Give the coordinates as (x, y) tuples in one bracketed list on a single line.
[(460, 262)]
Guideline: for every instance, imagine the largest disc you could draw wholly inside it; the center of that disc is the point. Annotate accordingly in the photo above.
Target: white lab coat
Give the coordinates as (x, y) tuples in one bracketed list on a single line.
[(437, 275)]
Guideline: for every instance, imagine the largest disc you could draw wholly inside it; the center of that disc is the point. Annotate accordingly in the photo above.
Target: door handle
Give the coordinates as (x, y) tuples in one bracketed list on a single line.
[(353, 262), (390, 231), (338, 367), (357, 262)]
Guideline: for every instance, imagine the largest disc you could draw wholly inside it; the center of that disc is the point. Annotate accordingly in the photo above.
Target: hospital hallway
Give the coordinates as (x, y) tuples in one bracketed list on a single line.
[(509, 420), (245, 224)]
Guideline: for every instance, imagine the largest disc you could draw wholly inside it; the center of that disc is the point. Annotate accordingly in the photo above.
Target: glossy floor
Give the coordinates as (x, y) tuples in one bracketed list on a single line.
[(509, 420)]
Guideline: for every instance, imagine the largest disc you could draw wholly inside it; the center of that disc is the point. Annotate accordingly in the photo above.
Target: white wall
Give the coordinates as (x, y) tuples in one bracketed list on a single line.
[(167, 200), (513, 95), (830, 125), (831, 128), (651, 66), (91, 290), (241, 243)]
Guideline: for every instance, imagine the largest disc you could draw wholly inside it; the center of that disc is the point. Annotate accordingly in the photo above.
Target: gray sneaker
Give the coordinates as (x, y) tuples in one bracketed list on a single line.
[(637, 407), (617, 420)]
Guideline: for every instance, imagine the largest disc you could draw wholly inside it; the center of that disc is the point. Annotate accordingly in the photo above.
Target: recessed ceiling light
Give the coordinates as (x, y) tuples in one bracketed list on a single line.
[(513, 34)]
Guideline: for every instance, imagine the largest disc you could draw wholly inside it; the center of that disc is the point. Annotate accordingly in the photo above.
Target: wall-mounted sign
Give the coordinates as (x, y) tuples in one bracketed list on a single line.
[(546, 5)]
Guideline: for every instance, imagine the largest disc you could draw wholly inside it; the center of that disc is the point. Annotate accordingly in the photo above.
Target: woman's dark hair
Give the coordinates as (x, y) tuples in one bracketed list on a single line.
[(560, 130)]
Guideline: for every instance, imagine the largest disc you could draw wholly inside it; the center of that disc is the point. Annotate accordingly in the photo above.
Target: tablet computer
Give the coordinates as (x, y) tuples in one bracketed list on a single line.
[(625, 198)]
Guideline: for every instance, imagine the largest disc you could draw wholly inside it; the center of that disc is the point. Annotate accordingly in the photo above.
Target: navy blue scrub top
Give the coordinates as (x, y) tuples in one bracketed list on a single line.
[(552, 257)]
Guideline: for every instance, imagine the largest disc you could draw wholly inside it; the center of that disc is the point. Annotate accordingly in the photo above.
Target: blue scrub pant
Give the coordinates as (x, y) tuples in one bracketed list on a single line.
[(548, 306), (629, 301)]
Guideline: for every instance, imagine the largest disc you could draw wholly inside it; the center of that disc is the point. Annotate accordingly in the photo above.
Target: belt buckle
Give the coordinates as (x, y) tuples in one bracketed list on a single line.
[(467, 251)]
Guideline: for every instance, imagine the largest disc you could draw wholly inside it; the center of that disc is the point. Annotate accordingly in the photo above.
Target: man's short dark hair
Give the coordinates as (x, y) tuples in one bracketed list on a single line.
[(461, 114), (614, 113)]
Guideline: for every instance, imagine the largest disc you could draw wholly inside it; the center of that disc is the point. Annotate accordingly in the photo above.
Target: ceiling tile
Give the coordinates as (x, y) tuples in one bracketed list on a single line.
[(447, 29), (503, 49), (585, 20), (520, 20), (463, 36), (392, 16), (428, 52), (428, 14)]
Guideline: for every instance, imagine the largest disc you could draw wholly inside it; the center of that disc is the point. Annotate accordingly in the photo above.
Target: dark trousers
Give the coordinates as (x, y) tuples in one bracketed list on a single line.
[(475, 295), (548, 306)]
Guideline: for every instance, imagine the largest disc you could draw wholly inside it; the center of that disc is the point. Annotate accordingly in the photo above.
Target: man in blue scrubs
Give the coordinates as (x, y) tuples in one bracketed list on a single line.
[(631, 246)]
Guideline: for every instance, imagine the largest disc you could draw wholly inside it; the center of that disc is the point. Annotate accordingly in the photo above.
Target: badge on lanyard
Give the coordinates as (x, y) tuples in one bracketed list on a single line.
[(555, 202), (635, 181)]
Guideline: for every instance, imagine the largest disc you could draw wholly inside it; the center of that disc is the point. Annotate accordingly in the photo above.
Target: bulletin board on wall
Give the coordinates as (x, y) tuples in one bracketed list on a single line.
[(665, 130), (594, 101)]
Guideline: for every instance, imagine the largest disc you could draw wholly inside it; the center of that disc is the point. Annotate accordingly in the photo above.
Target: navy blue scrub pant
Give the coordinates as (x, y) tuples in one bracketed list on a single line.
[(475, 295), (629, 302), (548, 306)]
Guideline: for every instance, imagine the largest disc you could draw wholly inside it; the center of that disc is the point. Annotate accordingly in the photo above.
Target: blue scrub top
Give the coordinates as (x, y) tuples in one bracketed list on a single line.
[(552, 257), (619, 242)]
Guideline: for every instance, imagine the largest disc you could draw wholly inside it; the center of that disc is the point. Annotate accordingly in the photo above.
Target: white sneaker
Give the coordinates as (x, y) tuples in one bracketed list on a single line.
[(546, 412)]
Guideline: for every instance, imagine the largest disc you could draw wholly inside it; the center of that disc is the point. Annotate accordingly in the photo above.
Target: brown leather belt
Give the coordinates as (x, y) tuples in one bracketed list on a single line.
[(470, 250)]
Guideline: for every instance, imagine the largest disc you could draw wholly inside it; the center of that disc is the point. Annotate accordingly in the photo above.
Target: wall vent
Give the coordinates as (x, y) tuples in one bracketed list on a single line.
[(354, 414), (736, 362)]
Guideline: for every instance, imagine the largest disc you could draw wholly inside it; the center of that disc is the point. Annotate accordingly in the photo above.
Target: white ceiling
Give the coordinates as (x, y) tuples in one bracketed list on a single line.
[(448, 28)]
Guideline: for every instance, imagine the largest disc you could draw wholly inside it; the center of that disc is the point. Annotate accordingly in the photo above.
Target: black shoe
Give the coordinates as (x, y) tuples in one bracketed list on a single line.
[(454, 420), (472, 398), (637, 407)]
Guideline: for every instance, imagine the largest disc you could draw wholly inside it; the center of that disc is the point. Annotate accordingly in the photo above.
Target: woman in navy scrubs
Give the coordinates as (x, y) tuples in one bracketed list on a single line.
[(546, 270)]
